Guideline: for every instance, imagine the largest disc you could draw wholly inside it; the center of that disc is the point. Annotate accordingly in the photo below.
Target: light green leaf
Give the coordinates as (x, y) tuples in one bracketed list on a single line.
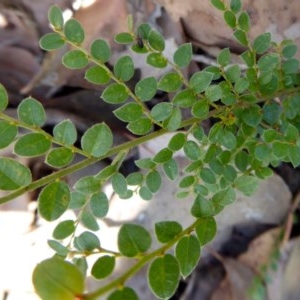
[(103, 266), (87, 241), (244, 21), (55, 278), (200, 81), (206, 230), (229, 18), (99, 204), (31, 112), (8, 132), (233, 73), (262, 43), (174, 121), (3, 98), (13, 175), (51, 41), (126, 293), (140, 126), (88, 185), (156, 40), (32, 144), (146, 88), (183, 55), (133, 239), (200, 109), (241, 160), (88, 220), (184, 98), (224, 57), (224, 197), (124, 38), (228, 140), (59, 157), (100, 50), (75, 59), (162, 156), (97, 75), (247, 184), (171, 169), (153, 181), (124, 68), (207, 175), (58, 248), (213, 93), (157, 60), (129, 112), (63, 229), (163, 276), (291, 66), (145, 193), (192, 150), (219, 4), (119, 184), (268, 62), (74, 31), (167, 230), (115, 94), (54, 200), (145, 163), (65, 132), (252, 116), (202, 207), (161, 111), (135, 178), (187, 253), (289, 50), (97, 140), (170, 82), (78, 199), (241, 37), (55, 17)]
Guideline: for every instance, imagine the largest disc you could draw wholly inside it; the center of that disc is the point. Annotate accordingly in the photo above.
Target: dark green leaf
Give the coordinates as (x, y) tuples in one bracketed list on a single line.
[(290, 66), (133, 239), (183, 55), (31, 112), (163, 276), (171, 169), (8, 132), (294, 155), (59, 157), (124, 68), (74, 31), (200, 109), (192, 150), (224, 57), (103, 266), (163, 156), (187, 253), (99, 204), (13, 175), (32, 144), (241, 37), (153, 181), (100, 50), (75, 59), (202, 207), (200, 81), (289, 51), (64, 229), (124, 38), (54, 200), (242, 160), (129, 112), (235, 5), (262, 152), (55, 278), (161, 111), (157, 60), (184, 98), (219, 4), (206, 230), (224, 197), (97, 75), (97, 140), (125, 293), (3, 98), (167, 230), (177, 141), (156, 41), (51, 41), (262, 43), (65, 132), (55, 17), (207, 176), (146, 88), (187, 181), (87, 241), (247, 184), (140, 126), (252, 116), (229, 18), (170, 82)]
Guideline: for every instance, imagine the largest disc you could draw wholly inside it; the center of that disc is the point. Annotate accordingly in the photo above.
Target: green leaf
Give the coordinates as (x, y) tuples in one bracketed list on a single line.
[(294, 155), (88, 220), (153, 181), (81, 264), (97, 75), (187, 253), (262, 152), (186, 181), (262, 43), (162, 156), (54, 200), (55, 278), (51, 41), (156, 40), (58, 248), (247, 184), (126, 293), (103, 266), (200, 81), (200, 109), (268, 62), (241, 85), (3, 98), (124, 38), (202, 207), (129, 112), (64, 229), (252, 116), (124, 68), (161, 111), (140, 126), (174, 121), (97, 140), (184, 98), (100, 50), (235, 5), (115, 93), (59, 157), (290, 66), (146, 88), (192, 150), (145, 163), (77, 200), (157, 60), (133, 240), (249, 58), (289, 51), (213, 93), (241, 37), (8, 132), (228, 140), (206, 230), (207, 176), (32, 144), (170, 82), (87, 241), (167, 230), (31, 112), (171, 169), (177, 141), (224, 57), (75, 59), (233, 73), (119, 184), (224, 197), (99, 204), (88, 185), (242, 160), (229, 18), (244, 21), (65, 132), (145, 193), (183, 55), (135, 178), (74, 31), (163, 276), (13, 175), (219, 4), (55, 17)]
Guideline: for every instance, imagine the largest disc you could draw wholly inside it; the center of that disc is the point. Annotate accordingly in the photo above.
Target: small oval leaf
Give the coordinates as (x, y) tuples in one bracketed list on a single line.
[(31, 112), (103, 266), (74, 31)]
